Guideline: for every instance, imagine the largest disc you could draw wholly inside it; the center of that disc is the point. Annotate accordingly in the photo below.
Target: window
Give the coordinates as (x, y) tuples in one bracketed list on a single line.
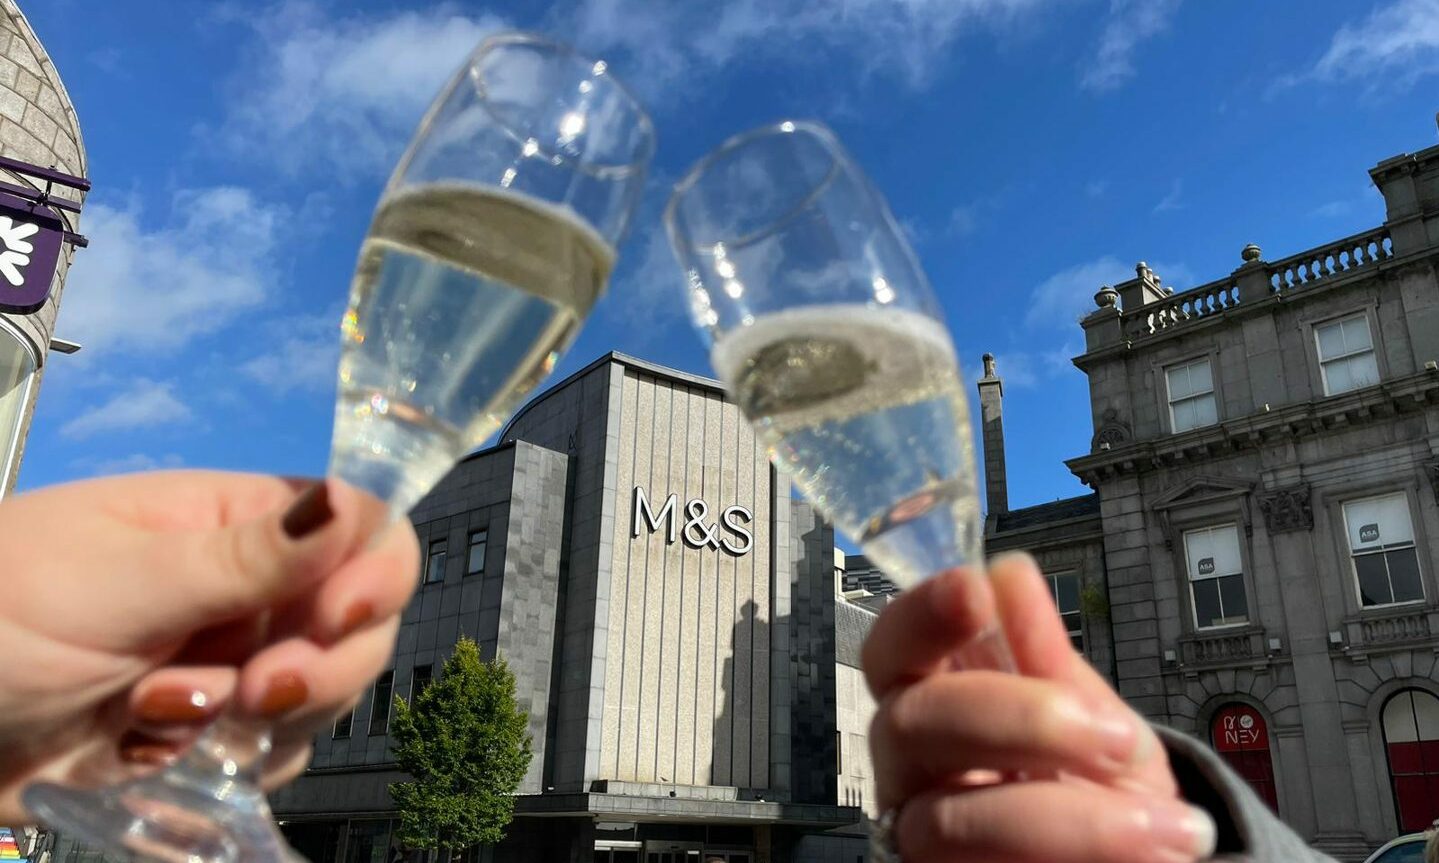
[(1411, 740), (1216, 576), (1065, 587), (380, 706), (1381, 539), (435, 562), (17, 370), (420, 681), (1408, 851), (1346, 355), (1191, 396), (475, 564), (343, 725)]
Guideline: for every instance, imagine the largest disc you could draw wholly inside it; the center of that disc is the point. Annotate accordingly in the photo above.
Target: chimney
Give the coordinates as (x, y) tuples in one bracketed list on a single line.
[(991, 413)]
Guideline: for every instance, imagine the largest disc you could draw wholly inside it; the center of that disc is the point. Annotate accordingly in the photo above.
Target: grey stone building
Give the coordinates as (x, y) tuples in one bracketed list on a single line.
[(42, 163), (670, 615), (1257, 563)]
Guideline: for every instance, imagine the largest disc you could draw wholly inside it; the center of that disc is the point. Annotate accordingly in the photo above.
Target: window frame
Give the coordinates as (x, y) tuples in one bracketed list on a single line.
[(1212, 392), (1414, 545), (1242, 575), (349, 718), (1053, 580), (425, 576), (9, 453), (429, 668), (1373, 349), (470, 551), (388, 677)]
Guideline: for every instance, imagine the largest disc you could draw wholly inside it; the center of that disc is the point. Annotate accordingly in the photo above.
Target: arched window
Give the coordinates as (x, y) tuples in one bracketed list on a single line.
[(1411, 739), (1241, 737), (17, 370)]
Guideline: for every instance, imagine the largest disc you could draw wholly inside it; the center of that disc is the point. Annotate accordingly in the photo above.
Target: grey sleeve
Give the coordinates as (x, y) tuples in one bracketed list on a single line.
[(1248, 830)]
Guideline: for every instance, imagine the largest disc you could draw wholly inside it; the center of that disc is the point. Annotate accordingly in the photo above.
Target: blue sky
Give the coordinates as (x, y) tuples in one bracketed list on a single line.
[(1035, 149)]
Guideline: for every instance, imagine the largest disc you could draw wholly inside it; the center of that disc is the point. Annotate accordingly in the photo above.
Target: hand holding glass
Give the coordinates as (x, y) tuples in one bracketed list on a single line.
[(491, 243)]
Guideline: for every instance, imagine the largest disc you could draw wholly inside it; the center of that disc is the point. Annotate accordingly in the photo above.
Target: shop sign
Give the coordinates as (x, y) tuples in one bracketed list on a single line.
[(30, 239), (693, 526)]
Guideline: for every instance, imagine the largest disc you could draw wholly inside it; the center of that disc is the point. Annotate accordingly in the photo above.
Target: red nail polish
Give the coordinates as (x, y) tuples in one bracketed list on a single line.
[(309, 513), (138, 748), (359, 614), (287, 690), (172, 704)]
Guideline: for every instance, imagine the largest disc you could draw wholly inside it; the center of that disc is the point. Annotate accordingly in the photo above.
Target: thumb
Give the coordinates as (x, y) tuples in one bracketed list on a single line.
[(237, 569)]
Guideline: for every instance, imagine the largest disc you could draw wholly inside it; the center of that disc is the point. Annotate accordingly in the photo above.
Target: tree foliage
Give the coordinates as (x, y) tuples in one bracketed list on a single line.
[(464, 741)]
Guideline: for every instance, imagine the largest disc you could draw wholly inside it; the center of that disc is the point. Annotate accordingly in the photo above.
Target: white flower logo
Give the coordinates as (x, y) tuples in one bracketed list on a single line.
[(14, 235)]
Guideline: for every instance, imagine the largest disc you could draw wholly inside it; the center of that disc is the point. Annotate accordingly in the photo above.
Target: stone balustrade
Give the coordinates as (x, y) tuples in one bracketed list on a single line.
[(1295, 273), (1352, 253), (1408, 626), (1224, 648)]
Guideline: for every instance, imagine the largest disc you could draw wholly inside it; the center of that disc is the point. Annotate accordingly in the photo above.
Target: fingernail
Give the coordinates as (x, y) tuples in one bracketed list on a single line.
[(169, 704), (1113, 732), (310, 513), (359, 614), (1178, 832), (137, 748), (287, 690), (1023, 558)]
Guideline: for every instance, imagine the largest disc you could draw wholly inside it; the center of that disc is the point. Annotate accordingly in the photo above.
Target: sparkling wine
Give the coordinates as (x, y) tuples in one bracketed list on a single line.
[(864, 407), (463, 299)]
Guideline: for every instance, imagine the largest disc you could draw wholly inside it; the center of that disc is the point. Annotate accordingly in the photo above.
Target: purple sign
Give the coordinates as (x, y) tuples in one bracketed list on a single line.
[(30, 238)]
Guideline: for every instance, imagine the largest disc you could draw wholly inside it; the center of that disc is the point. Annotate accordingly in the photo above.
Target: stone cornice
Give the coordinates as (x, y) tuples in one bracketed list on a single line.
[(1291, 422)]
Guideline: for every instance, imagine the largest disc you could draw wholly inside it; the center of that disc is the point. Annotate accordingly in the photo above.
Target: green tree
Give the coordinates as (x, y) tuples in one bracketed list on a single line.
[(465, 743)]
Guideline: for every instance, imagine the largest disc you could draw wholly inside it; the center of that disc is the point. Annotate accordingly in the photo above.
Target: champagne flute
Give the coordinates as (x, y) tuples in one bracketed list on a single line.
[(825, 331), (493, 239)]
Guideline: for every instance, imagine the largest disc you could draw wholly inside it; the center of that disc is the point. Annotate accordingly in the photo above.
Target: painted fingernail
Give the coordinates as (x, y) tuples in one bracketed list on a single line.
[(359, 614), (137, 748), (310, 513), (287, 690), (1178, 832), (170, 704)]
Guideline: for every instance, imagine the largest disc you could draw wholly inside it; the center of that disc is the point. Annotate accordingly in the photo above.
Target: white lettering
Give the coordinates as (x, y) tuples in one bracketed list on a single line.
[(642, 509), (697, 532), (730, 514)]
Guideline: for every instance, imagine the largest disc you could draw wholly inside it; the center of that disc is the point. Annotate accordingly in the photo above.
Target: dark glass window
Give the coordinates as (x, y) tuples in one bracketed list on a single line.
[(1065, 586), (343, 725), (478, 541), (435, 562), (380, 706), (420, 681)]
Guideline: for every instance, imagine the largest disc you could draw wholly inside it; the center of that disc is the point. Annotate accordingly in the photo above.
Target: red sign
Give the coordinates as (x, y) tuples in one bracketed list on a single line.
[(1239, 728)]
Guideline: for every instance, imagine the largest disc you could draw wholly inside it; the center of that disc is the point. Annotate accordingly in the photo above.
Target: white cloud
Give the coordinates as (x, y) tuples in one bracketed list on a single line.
[(1068, 295), (1171, 199), (1096, 188), (300, 353), (144, 404), (663, 43), (1130, 24), (963, 220), (133, 463), (140, 290), (1399, 41), (343, 92)]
